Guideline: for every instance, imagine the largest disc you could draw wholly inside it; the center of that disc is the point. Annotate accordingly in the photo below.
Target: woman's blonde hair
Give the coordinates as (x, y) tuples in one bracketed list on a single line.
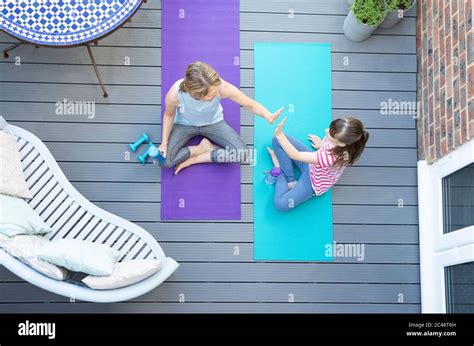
[(199, 77)]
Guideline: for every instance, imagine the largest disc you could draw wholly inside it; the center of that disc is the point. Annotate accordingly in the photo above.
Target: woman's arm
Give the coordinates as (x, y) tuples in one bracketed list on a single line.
[(293, 153), (171, 102), (227, 90)]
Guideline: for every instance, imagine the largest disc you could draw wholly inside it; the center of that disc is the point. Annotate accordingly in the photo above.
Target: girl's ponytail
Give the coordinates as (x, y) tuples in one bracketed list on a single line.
[(349, 131)]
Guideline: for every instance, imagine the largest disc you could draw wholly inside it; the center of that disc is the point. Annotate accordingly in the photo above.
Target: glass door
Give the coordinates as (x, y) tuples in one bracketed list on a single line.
[(446, 213)]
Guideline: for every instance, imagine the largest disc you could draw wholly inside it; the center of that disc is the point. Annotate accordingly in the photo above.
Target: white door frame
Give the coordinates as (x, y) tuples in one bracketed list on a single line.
[(438, 250)]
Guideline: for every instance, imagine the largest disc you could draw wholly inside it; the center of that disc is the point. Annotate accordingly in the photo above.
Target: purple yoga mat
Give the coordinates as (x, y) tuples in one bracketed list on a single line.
[(209, 31)]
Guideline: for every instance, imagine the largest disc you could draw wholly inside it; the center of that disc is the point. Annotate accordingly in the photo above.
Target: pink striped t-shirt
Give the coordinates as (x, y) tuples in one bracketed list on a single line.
[(324, 174)]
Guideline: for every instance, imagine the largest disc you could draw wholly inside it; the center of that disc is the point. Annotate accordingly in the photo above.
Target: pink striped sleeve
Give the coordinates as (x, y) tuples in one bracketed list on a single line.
[(323, 158)]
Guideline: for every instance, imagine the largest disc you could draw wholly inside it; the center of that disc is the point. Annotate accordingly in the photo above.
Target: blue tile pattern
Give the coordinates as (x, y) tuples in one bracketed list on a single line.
[(63, 22)]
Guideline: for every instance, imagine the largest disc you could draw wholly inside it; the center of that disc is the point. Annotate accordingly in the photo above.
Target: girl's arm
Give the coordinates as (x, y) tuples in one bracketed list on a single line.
[(171, 102), (231, 92), (293, 153)]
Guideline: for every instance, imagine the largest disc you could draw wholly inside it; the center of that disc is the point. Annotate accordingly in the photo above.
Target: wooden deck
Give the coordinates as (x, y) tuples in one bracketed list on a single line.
[(211, 278)]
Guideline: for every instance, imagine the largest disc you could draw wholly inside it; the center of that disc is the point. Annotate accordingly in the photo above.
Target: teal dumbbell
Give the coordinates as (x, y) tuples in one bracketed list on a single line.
[(152, 152), (142, 158), (143, 139)]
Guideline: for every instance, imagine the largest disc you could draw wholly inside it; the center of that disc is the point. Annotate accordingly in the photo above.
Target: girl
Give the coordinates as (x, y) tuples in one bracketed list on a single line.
[(193, 108), (343, 144)]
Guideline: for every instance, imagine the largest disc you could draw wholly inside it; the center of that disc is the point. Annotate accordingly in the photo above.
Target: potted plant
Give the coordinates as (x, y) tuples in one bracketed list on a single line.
[(363, 18), (396, 11)]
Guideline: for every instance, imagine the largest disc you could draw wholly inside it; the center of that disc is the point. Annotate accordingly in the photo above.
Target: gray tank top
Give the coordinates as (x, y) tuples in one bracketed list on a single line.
[(194, 112)]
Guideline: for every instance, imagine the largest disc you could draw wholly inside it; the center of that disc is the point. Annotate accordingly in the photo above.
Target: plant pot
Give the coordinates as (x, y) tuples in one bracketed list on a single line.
[(393, 17), (355, 30)]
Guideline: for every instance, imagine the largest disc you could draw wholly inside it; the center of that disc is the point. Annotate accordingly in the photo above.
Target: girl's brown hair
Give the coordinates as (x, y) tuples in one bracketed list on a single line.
[(199, 77), (349, 131)]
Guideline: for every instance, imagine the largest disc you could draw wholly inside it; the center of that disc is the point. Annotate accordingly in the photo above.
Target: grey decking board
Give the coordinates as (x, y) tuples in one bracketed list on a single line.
[(247, 292), (112, 75), (118, 94), (387, 61), (208, 308), (315, 23), (138, 56), (298, 272), (104, 113), (333, 7)]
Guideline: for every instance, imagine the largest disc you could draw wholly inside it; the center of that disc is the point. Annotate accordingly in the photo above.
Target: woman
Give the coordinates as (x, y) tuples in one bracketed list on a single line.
[(193, 108), (342, 146)]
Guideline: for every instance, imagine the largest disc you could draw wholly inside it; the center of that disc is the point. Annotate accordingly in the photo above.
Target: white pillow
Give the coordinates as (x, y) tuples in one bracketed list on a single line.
[(125, 273), (17, 217), (80, 256), (12, 180), (25, 248)]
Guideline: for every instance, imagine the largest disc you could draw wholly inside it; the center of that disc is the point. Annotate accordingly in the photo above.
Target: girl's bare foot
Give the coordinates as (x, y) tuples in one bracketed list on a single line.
[(292, 184), (275, 161)]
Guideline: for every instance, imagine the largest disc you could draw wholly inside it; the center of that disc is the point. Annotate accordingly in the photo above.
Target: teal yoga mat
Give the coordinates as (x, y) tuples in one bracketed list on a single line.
[(298, 77)]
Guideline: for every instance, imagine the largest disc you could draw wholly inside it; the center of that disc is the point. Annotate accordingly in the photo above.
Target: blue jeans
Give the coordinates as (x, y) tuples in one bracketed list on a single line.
[(285, 198)]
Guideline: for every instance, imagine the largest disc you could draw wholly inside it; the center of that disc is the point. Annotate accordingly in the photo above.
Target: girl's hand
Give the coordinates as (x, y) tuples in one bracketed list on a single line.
[(271, 119), (162, 148), (316, 142), (279, 128)]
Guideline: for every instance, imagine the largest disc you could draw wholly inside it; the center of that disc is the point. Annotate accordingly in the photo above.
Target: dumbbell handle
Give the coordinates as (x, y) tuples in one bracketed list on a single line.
[(142, 158), (144, 138)]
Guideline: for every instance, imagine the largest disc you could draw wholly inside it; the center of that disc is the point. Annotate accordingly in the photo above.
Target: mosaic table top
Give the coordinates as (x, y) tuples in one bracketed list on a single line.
[(64, 22)]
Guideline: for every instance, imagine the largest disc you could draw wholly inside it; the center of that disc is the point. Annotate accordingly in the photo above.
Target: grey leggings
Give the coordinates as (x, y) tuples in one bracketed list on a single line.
[(232, 146)]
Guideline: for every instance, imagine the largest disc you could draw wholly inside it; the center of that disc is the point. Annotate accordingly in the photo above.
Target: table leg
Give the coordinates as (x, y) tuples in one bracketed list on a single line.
[(13, 46), (97, 71)]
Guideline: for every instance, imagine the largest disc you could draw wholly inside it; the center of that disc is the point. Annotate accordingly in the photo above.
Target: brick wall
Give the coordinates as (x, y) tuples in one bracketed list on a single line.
[(445, 76)]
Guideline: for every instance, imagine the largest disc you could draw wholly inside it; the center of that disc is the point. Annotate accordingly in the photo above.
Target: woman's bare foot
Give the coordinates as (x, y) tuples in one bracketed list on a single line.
[(185, 164), (204, 146), (275, 161), (193, 160)]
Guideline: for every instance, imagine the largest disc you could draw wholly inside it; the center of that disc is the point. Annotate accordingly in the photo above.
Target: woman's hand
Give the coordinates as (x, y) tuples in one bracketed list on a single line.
[(162, 148), (316, 142), (279, 128), (272, 117)]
